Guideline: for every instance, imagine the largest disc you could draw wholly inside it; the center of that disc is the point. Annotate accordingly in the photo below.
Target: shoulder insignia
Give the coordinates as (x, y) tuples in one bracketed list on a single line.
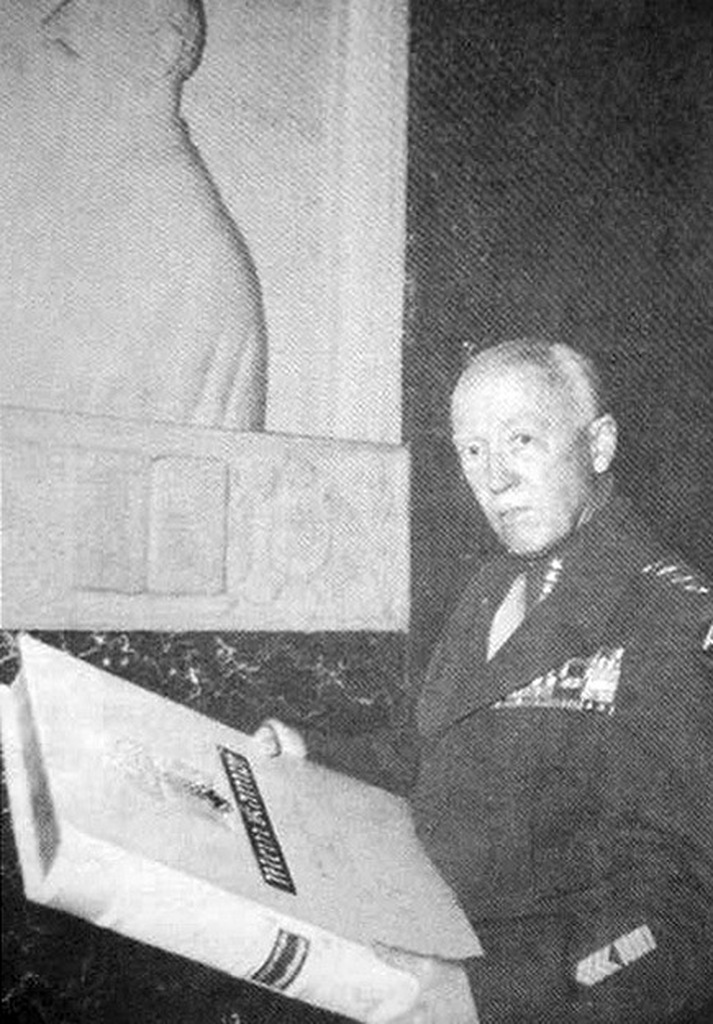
[(551, 578), (677, 574), (610, 959)]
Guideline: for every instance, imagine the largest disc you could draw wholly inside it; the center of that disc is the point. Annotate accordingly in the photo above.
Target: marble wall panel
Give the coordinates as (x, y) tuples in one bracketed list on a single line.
[(59, 968)]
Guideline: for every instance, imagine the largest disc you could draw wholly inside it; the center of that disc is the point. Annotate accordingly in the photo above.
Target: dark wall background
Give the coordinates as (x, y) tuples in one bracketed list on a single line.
[(561, 180)]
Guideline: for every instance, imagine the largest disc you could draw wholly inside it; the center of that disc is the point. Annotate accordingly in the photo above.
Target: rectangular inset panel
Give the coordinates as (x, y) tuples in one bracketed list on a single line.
[(110, 521), (37, 534), (187, 526)]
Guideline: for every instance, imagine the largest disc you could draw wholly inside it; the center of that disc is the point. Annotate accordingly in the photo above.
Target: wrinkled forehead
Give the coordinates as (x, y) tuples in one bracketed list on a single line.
[(489, 394), (521, 382)]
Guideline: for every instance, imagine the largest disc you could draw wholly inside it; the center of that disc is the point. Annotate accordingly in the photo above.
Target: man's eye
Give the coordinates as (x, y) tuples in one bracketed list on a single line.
[(472, 451), (522, 439)]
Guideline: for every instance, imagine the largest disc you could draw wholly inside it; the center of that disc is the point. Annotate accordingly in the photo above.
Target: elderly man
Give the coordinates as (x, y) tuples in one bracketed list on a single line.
[(562, 761)]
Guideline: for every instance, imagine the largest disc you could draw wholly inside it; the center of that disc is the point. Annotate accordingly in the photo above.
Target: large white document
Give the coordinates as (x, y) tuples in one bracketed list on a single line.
[(152, 820)]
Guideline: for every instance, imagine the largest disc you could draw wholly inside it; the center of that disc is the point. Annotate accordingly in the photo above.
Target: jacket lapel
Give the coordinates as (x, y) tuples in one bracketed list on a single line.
[(460, 656)]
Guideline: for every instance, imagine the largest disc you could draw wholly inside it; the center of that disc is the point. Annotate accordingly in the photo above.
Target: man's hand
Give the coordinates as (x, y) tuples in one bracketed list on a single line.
[(445, 996), (275, 739)]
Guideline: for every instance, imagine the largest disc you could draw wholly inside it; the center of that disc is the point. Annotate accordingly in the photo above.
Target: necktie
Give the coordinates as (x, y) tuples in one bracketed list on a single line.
[(509, 615), (527, 589)]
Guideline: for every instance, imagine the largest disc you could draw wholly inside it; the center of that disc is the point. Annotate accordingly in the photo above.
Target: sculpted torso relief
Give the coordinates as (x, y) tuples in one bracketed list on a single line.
[(127, 288)]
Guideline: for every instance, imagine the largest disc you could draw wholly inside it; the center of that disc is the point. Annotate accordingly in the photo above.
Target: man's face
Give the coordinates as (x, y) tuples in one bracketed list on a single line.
[(525, 454)]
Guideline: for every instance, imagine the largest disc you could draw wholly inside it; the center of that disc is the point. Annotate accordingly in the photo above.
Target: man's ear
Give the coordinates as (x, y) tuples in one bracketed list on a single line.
[(602, 442)]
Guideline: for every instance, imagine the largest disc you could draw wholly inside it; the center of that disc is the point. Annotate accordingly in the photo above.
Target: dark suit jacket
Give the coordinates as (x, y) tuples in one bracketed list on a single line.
[(565, 788)]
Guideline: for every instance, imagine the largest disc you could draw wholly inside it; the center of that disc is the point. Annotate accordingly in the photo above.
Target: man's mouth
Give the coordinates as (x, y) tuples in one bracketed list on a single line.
[(510, 516)]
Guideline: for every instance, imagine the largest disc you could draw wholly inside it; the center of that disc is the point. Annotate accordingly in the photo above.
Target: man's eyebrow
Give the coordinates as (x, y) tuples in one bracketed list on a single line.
[(526, 419)]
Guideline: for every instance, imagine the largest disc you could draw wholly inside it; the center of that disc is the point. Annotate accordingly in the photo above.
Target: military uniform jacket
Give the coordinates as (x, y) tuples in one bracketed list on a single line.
[(565, 787)]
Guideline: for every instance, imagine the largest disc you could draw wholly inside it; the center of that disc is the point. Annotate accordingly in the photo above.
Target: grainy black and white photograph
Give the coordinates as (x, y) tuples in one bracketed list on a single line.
[(356, 604)]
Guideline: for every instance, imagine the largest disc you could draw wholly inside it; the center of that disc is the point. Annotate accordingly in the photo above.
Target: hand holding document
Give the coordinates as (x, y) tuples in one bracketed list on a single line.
[(444, 995), (275, 739), (156, 822)]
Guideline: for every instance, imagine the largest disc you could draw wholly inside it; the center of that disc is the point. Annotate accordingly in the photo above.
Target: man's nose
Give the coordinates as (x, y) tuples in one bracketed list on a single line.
[(500, 473)]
